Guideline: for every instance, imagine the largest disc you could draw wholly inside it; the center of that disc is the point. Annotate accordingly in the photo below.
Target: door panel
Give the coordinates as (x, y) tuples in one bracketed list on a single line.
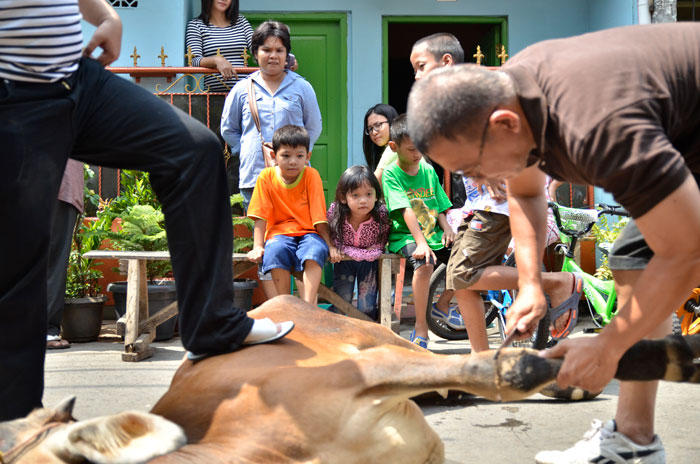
[(318, 42)]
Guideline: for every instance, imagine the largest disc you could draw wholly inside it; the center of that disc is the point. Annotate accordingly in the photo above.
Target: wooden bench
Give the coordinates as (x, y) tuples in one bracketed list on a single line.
[(139, 329)]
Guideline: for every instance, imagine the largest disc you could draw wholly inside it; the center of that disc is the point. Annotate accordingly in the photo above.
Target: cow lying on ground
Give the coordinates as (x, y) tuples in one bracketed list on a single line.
[(334, 390)]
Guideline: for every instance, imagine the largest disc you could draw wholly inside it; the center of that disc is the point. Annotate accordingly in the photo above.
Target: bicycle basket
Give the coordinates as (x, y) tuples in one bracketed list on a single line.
[(576, 221)]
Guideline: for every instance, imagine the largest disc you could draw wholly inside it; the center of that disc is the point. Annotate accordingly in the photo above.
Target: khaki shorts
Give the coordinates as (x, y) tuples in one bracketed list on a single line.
[(480, 242)]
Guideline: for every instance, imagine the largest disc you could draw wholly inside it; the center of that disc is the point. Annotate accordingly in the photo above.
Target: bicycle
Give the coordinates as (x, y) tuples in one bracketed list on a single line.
[(574, 223), (496, 303), (686, 319)]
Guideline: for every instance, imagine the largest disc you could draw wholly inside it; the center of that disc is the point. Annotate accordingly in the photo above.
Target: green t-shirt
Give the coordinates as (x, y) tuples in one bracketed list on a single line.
[(423, 194)]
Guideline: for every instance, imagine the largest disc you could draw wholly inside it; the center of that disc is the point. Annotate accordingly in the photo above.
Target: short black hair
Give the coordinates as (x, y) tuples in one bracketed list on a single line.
[(291, 136), (399, 129), (455, 101), (231, 13), (442, 43), (270, 29)]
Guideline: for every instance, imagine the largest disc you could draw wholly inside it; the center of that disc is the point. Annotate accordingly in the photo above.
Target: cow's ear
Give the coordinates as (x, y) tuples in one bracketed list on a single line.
[(122, 438), (63, 412)]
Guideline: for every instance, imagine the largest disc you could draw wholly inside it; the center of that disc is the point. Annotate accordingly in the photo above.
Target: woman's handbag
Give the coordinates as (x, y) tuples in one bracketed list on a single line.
[(266, 146)]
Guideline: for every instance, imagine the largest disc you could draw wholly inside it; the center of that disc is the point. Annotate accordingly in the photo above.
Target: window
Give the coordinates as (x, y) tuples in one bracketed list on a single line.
[(688, 10), (124, 3)]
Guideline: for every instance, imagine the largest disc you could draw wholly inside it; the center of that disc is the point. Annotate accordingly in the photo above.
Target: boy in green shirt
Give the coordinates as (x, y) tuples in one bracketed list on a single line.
[(419, 229)]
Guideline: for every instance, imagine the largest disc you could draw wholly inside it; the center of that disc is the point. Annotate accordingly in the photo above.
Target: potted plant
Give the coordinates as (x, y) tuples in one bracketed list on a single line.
[(242, 242), (82, 313), (134, 221)]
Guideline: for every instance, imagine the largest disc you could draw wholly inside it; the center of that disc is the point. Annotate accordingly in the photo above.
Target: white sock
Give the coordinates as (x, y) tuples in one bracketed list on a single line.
[(262, 328)]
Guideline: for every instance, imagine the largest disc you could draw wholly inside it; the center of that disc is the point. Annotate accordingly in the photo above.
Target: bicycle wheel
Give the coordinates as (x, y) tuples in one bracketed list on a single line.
[(541, 338), (438, 326)]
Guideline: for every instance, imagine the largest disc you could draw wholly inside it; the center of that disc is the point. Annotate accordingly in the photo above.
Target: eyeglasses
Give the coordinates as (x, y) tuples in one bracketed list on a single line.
[(376, 127), (474, 171)]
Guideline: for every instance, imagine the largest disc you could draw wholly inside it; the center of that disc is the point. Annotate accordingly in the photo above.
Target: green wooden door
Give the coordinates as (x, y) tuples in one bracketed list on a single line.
[(319, 44)]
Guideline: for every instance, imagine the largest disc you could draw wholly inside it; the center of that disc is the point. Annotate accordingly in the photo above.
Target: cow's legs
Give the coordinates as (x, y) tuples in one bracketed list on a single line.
[(515, 373)]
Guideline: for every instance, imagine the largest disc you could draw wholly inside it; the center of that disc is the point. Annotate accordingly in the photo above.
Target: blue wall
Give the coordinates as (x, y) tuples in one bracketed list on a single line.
[(156, 23)]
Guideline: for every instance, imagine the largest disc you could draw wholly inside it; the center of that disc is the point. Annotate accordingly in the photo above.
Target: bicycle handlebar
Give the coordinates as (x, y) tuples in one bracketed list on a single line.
[(584, 218)]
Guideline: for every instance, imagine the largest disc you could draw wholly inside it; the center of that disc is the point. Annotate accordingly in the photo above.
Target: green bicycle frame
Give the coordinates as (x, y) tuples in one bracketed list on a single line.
[(601, 294)]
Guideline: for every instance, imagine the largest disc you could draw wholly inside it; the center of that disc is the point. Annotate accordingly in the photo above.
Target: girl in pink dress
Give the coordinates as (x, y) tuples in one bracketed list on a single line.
[(359, 224)]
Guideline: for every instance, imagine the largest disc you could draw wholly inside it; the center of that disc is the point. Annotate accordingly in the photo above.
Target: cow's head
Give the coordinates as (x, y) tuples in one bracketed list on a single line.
[(53, 436)]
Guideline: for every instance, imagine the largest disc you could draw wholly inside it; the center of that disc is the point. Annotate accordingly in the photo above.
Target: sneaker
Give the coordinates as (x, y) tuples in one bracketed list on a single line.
[(452, 319), (604, 444)]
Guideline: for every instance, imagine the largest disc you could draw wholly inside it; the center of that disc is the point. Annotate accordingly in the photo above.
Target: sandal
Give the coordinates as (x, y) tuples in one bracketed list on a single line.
[(453, 318), (55, 342), (420, 341), (263, 331), (569, 305)]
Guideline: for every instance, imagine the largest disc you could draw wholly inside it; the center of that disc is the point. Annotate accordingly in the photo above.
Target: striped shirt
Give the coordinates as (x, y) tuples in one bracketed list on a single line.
[(205, 39), (40, 40)]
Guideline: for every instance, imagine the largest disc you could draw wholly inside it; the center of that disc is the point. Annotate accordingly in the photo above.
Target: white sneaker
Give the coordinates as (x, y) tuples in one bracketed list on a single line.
[(603, 444)]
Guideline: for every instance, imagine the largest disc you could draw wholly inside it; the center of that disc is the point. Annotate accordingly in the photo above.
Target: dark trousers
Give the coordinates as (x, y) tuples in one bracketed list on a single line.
[(99, 118), (62, 226)]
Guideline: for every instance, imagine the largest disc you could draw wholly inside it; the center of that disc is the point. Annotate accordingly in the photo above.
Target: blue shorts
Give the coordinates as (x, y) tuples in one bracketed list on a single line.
[(290, 253)]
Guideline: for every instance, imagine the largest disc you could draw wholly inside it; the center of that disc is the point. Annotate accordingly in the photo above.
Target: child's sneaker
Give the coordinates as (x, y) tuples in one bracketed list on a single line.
[(452, 319), (603, 443)]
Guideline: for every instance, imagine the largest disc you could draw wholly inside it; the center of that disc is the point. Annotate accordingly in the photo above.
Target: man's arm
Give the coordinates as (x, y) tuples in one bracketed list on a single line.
[(671, 230), (528, 216), (108, 34)]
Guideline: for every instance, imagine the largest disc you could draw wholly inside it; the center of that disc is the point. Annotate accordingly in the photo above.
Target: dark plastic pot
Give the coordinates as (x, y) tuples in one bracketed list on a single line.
[(82, 319), (160, 294), (243, 293)]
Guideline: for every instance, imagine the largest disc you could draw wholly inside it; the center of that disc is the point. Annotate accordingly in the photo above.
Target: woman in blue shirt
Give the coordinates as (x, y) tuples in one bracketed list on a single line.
[(282, 97)]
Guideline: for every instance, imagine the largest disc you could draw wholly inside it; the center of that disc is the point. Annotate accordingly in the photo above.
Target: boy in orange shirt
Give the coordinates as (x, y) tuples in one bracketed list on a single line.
[(289, 210)]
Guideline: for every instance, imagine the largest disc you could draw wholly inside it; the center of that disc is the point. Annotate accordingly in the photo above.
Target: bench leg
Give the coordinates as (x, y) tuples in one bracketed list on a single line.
[(136, 347), (385, 309)]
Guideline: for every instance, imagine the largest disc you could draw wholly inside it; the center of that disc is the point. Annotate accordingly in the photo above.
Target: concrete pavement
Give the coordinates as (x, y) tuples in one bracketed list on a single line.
[(474, 430)]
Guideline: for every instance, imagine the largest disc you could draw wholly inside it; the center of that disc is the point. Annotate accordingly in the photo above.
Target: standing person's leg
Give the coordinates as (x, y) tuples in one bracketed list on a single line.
[(59, 250), (119, 124), (630, 437), (36, 137)]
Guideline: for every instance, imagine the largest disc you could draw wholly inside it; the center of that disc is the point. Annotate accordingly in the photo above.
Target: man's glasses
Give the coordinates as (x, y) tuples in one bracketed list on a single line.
[(376, 127)]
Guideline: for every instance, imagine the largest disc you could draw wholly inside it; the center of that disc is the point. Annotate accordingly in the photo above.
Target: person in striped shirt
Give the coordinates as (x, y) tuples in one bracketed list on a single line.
[(217, 39), (57, 101)]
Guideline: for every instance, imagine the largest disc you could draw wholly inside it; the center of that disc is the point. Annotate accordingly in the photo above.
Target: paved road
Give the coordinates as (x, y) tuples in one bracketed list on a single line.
[(473, 430)]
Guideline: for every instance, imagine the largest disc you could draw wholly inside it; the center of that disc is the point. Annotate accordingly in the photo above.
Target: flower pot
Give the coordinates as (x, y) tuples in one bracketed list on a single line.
[(82, 319), (160, 294), (243, 293)]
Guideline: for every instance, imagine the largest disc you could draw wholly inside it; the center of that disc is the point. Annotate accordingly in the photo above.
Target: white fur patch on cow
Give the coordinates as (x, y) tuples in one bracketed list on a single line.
[(126, 438)]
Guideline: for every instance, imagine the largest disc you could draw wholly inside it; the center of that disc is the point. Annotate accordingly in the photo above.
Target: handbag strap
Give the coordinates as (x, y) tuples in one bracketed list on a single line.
[(253, 104)]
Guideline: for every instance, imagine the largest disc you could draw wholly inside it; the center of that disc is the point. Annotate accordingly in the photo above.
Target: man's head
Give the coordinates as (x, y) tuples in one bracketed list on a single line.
[(428, 53), (469, 120), (291, 150), (401, 142)]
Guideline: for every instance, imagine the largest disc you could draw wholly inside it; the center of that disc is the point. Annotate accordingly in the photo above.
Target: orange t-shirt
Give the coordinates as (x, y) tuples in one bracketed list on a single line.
[(289, 209)]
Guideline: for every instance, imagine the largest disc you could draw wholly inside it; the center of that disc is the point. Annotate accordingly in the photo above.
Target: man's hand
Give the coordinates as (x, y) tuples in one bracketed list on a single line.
[(256, 254), (528, 308), (108, 35), (496, 188), (334, 254), (588, 363)]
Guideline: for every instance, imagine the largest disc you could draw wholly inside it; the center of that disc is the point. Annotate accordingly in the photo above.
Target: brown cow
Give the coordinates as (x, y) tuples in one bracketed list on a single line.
[(334, 390)]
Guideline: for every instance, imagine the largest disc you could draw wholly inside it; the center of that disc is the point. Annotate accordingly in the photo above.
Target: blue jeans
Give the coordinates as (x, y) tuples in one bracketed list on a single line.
[(346, 273), (291, 253)]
